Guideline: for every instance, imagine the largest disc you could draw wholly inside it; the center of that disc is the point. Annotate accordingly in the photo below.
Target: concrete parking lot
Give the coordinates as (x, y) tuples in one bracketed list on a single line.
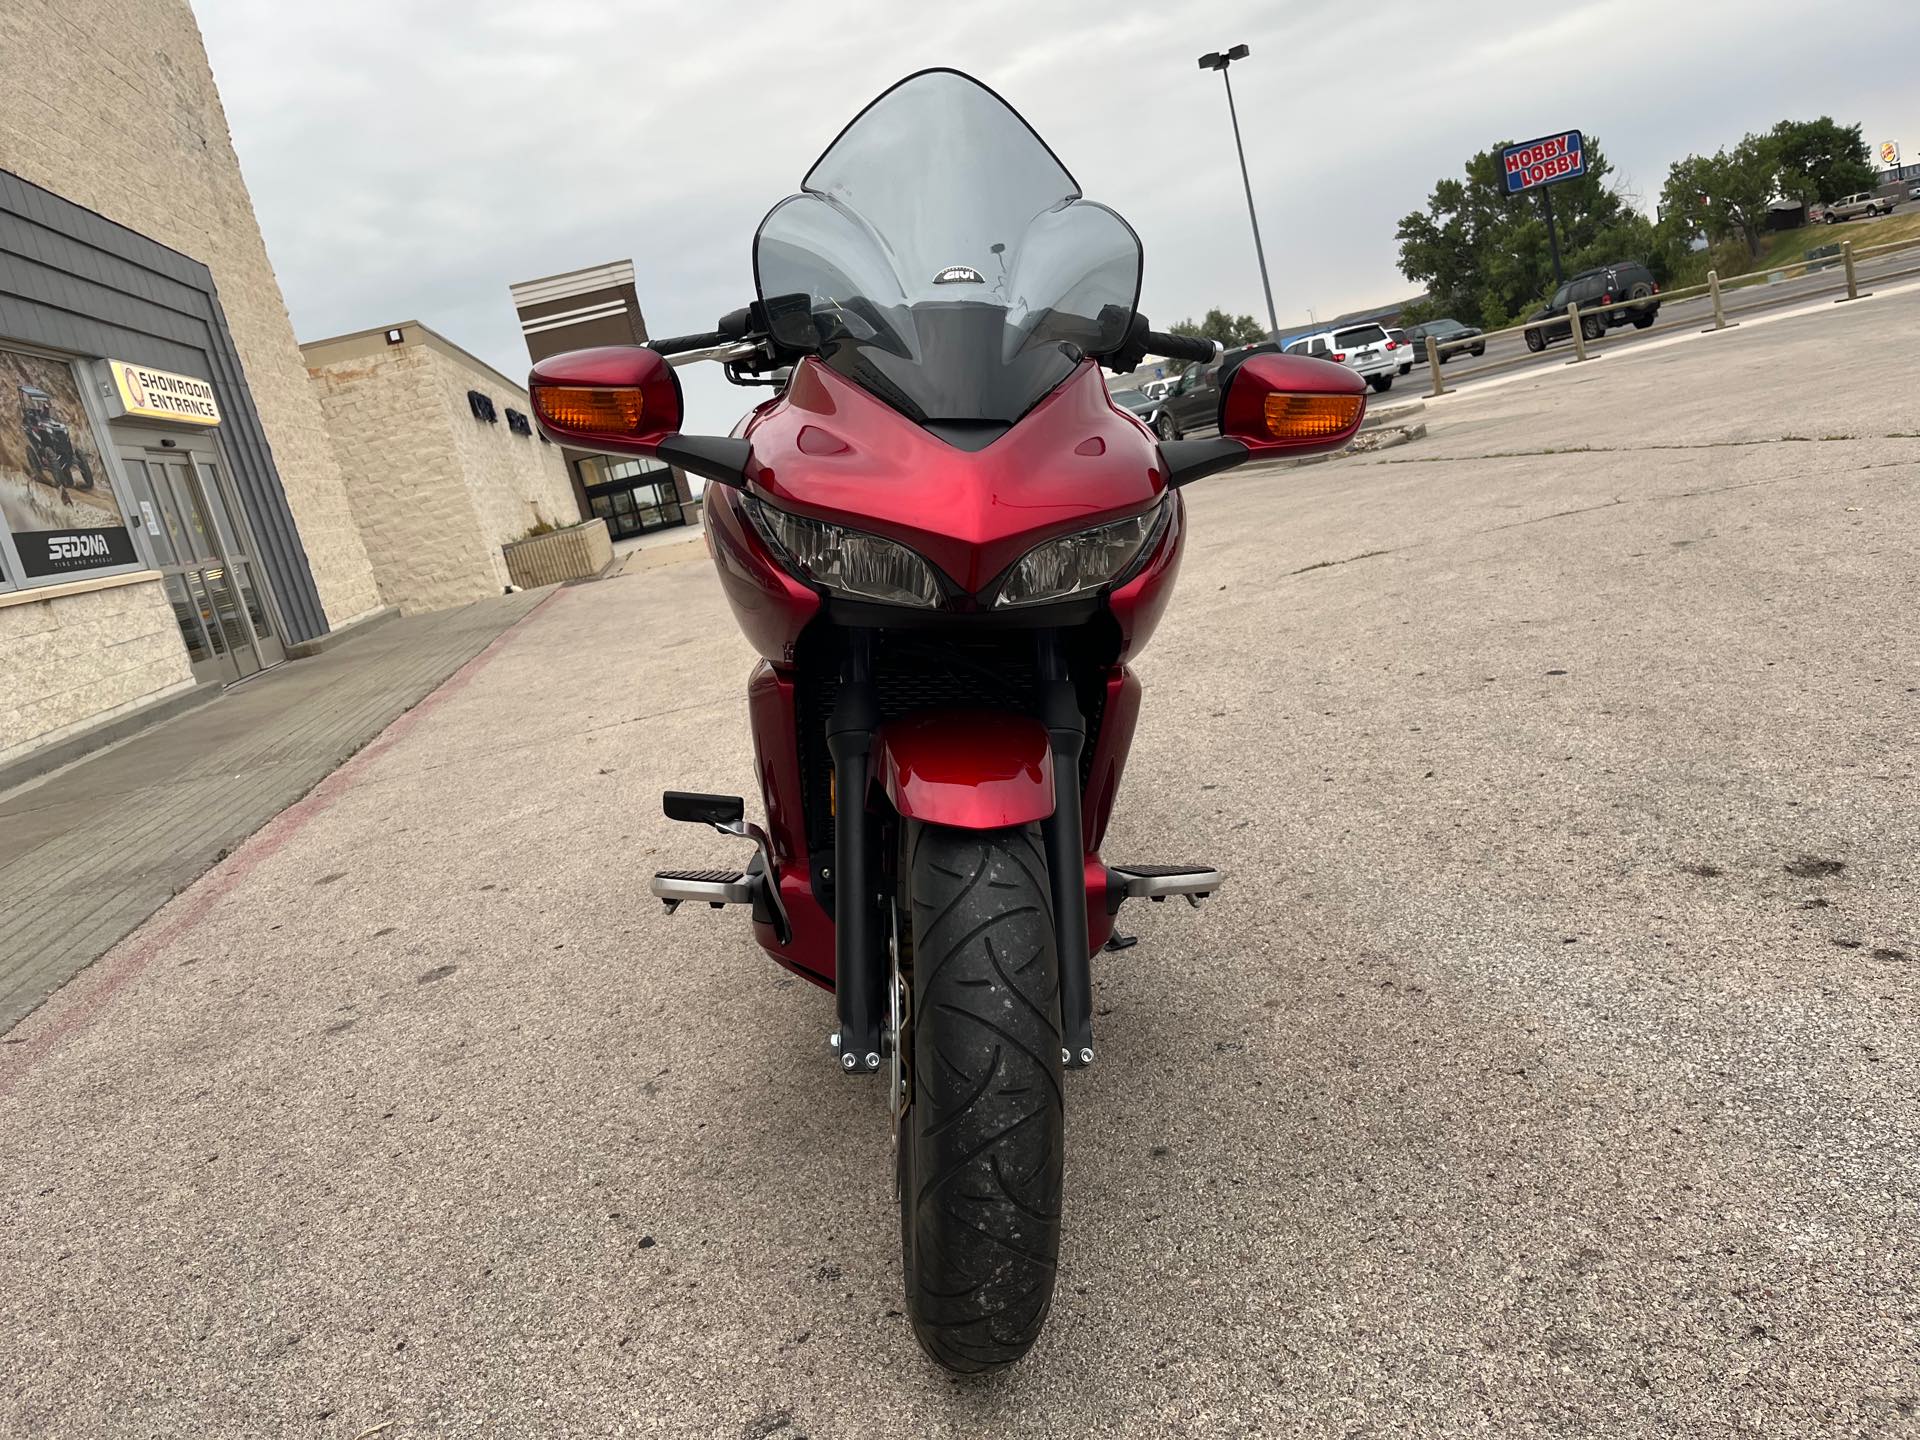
[(1546, 1068)]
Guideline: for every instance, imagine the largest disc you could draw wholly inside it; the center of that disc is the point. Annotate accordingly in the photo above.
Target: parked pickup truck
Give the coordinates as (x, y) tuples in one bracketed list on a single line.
[(1863, 206)]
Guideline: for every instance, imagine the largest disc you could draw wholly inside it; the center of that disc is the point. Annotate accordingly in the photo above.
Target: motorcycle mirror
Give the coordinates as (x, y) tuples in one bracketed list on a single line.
[(1292, 405), (623, 398)]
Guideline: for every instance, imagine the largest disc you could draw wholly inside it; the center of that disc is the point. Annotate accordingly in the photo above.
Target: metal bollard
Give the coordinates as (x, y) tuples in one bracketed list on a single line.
[(1433, 366), (1579, 339), (1719, 310), (1853, 283)]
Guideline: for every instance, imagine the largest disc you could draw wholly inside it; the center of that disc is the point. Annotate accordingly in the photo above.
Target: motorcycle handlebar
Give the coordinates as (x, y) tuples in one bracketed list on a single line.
[(736, 325), (1180, 347), (733, 326), (680, 344)]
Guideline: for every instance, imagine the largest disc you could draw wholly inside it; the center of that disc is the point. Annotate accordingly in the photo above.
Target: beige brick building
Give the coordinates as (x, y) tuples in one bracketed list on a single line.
[(127, 235), (440, 458)]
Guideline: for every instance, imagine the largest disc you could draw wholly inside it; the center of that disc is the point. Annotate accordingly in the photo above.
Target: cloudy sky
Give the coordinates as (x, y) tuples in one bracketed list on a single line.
[(410, 158)]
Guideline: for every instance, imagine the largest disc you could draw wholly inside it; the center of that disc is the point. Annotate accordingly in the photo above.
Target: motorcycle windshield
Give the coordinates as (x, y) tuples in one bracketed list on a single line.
[(940, 257)]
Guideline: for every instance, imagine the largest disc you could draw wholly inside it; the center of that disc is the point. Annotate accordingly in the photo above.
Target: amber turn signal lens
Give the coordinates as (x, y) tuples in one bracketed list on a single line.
[(1310, 417), (605, 409)]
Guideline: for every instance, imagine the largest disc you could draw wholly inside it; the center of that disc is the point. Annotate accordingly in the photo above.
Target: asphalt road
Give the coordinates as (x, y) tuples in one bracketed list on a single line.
[(1509, 352), (1546, 1068)]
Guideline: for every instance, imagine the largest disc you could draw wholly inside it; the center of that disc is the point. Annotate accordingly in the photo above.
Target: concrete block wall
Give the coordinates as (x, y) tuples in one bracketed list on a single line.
[(83, 658), (516, 481), (392, 440), (111, 104)]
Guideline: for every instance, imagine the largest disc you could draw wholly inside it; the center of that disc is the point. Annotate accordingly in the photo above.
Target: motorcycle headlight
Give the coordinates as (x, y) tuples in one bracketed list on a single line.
[(1077, 564), (845, 562)]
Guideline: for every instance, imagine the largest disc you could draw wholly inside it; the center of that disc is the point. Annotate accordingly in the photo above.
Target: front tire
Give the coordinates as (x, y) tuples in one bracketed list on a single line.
[(983, 1139), (1536, 342), (1165, 427)]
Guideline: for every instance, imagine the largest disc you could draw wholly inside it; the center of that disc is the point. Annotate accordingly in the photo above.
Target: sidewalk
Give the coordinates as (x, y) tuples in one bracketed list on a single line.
[(90, 851)]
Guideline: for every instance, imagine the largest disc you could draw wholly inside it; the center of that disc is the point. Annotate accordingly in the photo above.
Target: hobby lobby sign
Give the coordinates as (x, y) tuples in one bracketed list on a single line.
[(1544, 161)]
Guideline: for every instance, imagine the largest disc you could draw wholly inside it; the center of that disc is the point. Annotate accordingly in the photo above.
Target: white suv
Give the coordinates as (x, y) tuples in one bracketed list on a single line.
[(1364, 349)]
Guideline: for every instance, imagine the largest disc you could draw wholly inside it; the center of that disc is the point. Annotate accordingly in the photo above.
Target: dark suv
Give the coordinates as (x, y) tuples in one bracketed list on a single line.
[(1194, 401), (1604, 284)]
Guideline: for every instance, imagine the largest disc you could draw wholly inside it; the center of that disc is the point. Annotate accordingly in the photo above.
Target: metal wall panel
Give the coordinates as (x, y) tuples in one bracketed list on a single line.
[(72, 280)]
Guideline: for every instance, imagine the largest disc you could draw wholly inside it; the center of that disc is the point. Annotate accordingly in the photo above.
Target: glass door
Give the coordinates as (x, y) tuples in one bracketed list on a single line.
[(242, 568), (210, 582)]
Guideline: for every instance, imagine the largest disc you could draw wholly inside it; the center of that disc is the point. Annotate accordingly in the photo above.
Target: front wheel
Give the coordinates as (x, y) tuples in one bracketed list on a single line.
[(1380, 382), (1536, 342), (982, 1139), (1165, 428)]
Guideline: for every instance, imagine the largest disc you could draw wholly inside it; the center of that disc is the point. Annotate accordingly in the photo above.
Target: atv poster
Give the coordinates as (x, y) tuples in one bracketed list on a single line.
[(56, 492)]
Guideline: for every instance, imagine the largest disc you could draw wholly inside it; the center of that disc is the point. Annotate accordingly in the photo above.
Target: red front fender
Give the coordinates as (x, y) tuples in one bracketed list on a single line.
[(971, 769)]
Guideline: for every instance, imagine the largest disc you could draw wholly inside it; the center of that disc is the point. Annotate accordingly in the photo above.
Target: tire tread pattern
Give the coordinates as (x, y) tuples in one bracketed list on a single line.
[(982, 1146)]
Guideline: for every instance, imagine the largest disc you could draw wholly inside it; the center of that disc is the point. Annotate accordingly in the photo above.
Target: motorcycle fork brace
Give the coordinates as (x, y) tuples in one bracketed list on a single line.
[(859, 959), (1060, 835)]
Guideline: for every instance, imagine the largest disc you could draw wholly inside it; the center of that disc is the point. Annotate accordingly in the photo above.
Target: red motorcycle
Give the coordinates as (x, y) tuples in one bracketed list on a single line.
[(946, 541)]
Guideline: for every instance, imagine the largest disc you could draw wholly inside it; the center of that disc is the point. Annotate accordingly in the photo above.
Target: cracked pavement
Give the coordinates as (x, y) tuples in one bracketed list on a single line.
[(1546, 1066)]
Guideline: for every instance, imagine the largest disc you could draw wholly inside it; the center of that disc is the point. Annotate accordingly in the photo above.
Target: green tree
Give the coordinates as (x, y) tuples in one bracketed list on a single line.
[(1726, 192), (1822, 160), (1484, 255), (1229, 330)]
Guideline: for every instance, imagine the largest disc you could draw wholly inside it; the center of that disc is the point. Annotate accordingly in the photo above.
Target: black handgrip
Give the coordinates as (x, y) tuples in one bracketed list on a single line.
[(680, 344), (1179, 347)]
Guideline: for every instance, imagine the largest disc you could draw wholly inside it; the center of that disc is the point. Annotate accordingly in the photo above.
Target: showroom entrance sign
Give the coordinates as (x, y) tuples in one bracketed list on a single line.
[(148, 394)]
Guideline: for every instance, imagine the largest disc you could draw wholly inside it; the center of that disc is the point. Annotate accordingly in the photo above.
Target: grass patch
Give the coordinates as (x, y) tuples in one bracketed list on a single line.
[(1791, 246), (1787, 249)]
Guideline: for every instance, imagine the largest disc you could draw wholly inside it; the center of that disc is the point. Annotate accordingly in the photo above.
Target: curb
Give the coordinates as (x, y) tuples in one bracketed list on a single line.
[(36, 763), (320, 644)]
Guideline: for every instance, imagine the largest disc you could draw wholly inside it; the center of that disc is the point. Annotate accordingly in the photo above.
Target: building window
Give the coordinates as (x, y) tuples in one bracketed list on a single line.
[(482, 407), (621, 470), (632, 495), (518, 423), (61, 513)]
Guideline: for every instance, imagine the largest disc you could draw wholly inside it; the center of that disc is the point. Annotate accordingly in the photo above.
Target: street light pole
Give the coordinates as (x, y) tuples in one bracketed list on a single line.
[(1220, 60)]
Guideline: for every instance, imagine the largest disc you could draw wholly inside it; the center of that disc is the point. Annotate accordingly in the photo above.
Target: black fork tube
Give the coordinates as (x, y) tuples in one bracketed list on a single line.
[(1066, 857), (856, 930)]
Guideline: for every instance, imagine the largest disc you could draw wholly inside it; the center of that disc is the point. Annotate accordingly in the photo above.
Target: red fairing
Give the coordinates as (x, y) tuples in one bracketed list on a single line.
[(1139, 604), (809, 953), (830, 450), (771, 606), (970, 769), (1117, 720)]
